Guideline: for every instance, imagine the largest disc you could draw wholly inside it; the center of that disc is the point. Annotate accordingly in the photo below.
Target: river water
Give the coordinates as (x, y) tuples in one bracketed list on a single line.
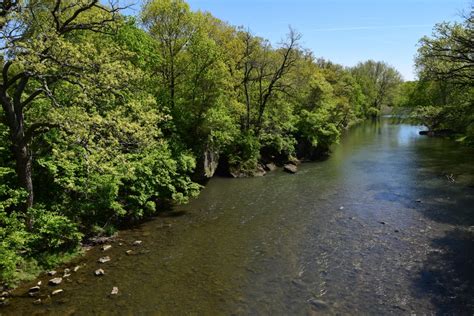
[(384, 226)]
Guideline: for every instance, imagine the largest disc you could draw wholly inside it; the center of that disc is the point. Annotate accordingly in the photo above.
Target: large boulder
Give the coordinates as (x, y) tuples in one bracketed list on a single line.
[(206, 165), (290, 168)]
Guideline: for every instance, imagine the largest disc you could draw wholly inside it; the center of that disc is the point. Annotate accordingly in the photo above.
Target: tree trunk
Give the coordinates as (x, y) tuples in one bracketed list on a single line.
[(19, 145), (24, 162)]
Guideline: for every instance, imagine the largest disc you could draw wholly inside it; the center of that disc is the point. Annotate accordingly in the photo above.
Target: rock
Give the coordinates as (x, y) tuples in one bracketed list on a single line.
[(67, 271), (129, 252), (39, 283), (383, 223), (101, 240), (341, 208), (55, 292), (52, 272), (115, 291), (290, 168), (260, 171), (99, 272), (55, 281), (318, 304), (206, 164), (76, 268), (104, 259), (418, 201), (137, 242), (5, 294), (210, 163), (106, 247), (294, 161), (67, 275), (396, 230), (37, 302), (34, 289), (271, 166)]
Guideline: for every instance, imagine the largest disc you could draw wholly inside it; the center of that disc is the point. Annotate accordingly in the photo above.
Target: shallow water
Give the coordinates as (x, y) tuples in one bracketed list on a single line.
[(378, 228)]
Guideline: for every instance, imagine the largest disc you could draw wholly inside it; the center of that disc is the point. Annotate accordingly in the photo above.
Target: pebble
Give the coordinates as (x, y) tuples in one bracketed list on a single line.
[(52, 272), (67, 271), (137, 242), (104, 259), (55, 281), (99, 272), (106, 247), (37, 302), (39, 283), (341, 208), (129, 252), (55, 292), (5, 294), (383, 223), (115, 291), (67, 275), (76, 268)]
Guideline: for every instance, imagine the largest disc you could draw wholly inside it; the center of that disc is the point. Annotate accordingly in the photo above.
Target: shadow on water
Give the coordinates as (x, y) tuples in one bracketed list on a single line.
[(447, 275)]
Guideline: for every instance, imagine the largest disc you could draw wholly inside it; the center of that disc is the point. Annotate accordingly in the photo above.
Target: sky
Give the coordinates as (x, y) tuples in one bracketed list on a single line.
[(343, 31)]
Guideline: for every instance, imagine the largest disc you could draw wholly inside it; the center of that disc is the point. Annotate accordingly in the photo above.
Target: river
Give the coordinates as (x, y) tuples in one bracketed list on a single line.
[(384, 226)]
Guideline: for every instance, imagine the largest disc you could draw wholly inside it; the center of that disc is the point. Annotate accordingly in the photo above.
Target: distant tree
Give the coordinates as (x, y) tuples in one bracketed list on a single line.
[(379, 83)]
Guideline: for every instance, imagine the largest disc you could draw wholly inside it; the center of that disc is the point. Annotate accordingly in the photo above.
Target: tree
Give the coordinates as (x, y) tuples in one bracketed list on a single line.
[(379, 83), (261, 69), (449, 54), (37, 53), (171, 23)]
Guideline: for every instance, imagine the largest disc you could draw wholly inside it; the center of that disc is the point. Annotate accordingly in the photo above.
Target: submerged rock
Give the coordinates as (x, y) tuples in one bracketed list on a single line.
[(137, 242), (129, 252), (76, 268), (290, 168), (55, 281), (104, 259), (34, 289), (99, 272), (318, 304), (115, 291), (106, 247), (56, 292)]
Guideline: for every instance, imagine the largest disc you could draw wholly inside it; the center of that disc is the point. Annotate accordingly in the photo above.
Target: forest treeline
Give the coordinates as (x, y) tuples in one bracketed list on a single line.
[(106, 118)]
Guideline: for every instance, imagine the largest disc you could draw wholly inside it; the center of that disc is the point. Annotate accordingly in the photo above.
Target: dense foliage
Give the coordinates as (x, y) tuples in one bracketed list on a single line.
[(104, 118), (443, 97)]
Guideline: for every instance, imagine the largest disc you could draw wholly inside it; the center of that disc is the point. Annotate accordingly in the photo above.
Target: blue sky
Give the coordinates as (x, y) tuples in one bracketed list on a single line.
[(343, 31)]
